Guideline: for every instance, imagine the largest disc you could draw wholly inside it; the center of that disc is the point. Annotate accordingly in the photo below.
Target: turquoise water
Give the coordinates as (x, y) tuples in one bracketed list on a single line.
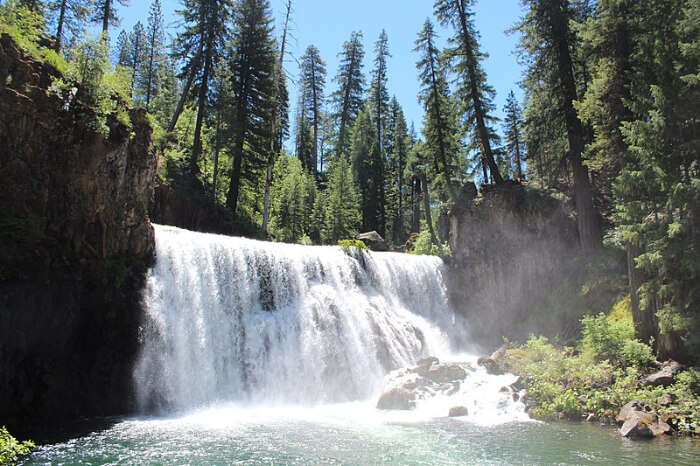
[(354, 434)]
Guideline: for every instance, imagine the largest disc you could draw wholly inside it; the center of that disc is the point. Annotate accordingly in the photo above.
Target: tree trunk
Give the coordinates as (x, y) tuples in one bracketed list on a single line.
[(519, 167), (151, 58), (588, 222), (274, 129), (314, 158), (645, 324), (59, 27), (201, 110), (426, 207), (415, 203), (217, 149), (105, 19), (235, 183), (186, 90)]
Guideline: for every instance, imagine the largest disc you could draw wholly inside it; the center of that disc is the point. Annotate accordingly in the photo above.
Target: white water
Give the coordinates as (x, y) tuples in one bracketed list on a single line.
[(258, 324)]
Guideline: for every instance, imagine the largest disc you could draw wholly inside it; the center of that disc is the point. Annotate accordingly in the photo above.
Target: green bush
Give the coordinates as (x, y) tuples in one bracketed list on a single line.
[(613, 340), (424, 245), (10, 449), (349, 245)]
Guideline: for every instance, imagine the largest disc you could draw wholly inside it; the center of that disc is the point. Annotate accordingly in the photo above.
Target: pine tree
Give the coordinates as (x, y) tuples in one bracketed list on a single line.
[(199, 46), (512, 129), (379, 93), (348, 98), (474, 90), (395, 178), (313, 81), (379, 103), (417, 167), (252, 63), (368, 171), (293, 200), (105, 13), (137, 53), (280, 120), (122, 49), (70, 18), (342, 216), (439, 126), (547, 24), (155, 37)]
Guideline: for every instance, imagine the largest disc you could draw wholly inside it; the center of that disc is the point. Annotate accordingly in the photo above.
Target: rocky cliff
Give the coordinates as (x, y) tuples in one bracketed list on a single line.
[(76, 240), (516, 267)]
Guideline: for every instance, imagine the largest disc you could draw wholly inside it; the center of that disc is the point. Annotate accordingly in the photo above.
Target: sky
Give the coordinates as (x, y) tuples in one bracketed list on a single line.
[(328, 23)]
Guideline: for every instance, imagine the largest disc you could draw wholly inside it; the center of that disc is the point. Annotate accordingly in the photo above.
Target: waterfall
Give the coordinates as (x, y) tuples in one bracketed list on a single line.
[(233, 319)]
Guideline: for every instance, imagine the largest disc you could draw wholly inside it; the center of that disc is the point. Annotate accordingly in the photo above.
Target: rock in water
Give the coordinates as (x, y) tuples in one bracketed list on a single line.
[(640, 421), (458, 411), (397, 398)]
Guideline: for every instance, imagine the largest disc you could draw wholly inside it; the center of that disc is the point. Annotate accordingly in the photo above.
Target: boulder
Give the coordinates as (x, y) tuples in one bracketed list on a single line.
[(397, 399), (446, 373), (373, 240), (665, 376), (490, 365), (640, 421), (458, 411), (428, 361)]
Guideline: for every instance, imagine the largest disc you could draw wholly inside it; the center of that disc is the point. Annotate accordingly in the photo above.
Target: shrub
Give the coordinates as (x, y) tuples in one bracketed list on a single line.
[(10, 449), (424, 245), (349, 245), (613, 340)]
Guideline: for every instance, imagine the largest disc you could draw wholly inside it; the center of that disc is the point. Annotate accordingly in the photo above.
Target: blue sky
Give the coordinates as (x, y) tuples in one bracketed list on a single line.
[(328, 23)]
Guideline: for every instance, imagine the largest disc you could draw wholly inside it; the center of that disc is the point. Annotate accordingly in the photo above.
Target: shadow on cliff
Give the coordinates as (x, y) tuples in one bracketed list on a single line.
[(517, 268), (76, 242)]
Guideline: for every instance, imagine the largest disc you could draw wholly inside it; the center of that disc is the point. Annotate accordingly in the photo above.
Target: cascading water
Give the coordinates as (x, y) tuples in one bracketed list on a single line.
[(236, 320)]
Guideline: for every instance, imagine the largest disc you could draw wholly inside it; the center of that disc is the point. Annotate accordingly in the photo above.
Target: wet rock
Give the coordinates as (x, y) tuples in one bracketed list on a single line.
[(446, 373), (373, 240), (429, 361), (517, 385), (640, 421), (504, 390), (516, 396), (490, 363), (665, 376), (397, 399), (458, 411)]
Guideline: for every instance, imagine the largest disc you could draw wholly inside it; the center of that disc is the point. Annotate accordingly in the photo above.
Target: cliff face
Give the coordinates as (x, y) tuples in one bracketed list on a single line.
[(75, 241), (514, 260)]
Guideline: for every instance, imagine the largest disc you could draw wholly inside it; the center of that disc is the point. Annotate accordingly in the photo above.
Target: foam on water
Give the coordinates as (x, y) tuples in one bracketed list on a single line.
[(256, 325)]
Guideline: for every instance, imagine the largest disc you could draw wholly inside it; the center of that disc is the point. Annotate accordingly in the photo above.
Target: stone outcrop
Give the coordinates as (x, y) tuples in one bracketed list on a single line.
[(665, 375), (511, 244), (76, 240), (640, 421), (374, 241)]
